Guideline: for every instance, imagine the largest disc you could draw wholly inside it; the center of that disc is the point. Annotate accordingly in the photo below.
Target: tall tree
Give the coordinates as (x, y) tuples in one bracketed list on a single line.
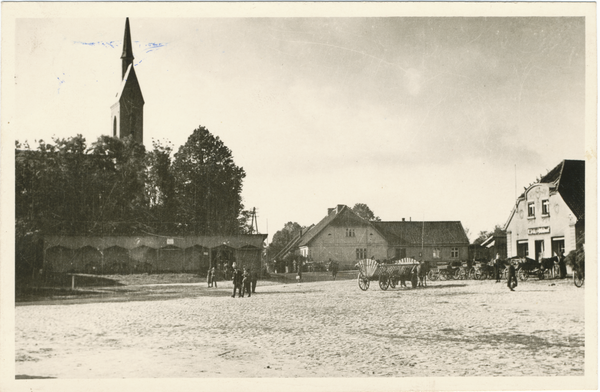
[(208, 185), (365, 212)]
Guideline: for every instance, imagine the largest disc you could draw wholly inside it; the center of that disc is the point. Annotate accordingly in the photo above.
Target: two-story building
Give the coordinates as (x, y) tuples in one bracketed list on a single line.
[(549, 217), (345, 237)]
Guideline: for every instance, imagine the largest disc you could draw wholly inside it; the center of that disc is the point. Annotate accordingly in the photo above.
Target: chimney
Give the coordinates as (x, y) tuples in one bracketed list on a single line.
[(339, 208), (330, 210), (403, 219)]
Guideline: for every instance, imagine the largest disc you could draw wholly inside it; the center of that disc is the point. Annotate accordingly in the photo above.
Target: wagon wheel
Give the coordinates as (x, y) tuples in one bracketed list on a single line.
[(523, 275), (433, 275), (546, 274), (384, 281), (477, 274), (578, 278), (363, 282), (443, 275), (393, 281), (459, 274)]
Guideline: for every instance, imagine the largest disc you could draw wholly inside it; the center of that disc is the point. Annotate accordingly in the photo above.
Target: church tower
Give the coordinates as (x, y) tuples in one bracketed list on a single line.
[(127, 114)]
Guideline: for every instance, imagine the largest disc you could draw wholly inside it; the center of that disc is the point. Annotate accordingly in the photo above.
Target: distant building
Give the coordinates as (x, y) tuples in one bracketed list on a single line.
[(127, 113), (494, 245), (549, 217), (345, 237), (110, 254)]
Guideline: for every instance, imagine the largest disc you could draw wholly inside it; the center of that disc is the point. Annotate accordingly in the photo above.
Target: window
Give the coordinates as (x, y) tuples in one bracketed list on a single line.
[(350, 233), (454, 253), (115, 127), (531, 210), (522, 249), (400, 253), (436, 252), (361, 253), (545, 207)]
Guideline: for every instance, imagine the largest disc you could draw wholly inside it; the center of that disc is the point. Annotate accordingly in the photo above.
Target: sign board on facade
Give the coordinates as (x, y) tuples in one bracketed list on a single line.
[(538, 230), (170, 241)]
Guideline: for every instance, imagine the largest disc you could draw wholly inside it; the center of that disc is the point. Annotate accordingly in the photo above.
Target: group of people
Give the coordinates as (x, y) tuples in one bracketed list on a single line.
[(244, 280)]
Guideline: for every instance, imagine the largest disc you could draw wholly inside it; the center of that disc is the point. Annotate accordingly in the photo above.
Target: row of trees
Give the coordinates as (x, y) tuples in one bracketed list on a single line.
[(115, 187)]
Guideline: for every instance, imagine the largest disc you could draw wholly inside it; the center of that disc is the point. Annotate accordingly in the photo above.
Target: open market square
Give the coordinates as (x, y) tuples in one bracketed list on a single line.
[(309, 329)]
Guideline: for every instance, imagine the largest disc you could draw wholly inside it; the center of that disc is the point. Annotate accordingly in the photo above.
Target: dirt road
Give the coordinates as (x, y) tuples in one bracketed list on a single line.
[(320, 329)]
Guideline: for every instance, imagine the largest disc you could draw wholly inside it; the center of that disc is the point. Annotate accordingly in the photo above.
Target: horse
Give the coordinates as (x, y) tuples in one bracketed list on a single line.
[(550, 264)]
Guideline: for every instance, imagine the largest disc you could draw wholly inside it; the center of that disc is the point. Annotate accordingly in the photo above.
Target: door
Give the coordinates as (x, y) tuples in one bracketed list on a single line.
[(558, 246), (539, 249)]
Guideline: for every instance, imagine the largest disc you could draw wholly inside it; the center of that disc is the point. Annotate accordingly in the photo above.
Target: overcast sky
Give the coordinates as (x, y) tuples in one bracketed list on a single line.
[(422, 118)]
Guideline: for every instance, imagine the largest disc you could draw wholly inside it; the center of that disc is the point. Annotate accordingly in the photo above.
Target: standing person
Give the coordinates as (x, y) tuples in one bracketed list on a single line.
[(334, 269), (562, 266), (299, 269), (212, 277), (497, 267), (246, 283), (237, 281), (253, 280), (512, 277)]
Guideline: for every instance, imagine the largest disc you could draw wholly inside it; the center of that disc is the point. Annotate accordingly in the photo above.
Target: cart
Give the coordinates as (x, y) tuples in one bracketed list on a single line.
[(388, 275)]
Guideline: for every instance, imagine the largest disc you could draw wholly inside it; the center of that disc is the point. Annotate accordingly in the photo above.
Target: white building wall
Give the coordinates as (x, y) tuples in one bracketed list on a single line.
[(560, 222)]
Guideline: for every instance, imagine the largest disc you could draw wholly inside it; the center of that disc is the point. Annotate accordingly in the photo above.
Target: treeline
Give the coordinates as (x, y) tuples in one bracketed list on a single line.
[(115, 187)]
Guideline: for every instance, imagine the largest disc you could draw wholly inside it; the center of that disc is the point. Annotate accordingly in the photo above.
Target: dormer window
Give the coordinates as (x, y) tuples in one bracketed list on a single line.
[(545, 207), (531, 210)]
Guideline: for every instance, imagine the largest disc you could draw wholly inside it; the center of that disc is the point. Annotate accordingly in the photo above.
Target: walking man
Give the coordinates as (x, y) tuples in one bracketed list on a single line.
[(246, 283), (512, 277), (212, 277), (253, 280), (497, 267), (237, 280)]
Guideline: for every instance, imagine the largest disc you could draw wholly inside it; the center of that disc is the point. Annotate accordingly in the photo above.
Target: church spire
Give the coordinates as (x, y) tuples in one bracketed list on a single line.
[(127, 56)]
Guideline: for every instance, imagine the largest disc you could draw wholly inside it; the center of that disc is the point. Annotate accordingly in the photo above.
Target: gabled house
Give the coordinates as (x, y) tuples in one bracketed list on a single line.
[(345, 237), (549, 217), (439, 242)]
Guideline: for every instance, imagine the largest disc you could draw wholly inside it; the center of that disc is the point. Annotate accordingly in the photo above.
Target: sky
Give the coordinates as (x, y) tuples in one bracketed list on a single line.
[(419, 118)]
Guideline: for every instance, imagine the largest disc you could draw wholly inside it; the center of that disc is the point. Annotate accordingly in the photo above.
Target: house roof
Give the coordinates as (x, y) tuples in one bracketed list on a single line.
[(341, 215), (571, 185), (428, 233), (568, 178), (291, 244)]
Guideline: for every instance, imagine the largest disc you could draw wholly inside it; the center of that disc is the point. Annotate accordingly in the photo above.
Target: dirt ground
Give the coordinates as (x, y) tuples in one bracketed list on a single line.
[(316, 329)]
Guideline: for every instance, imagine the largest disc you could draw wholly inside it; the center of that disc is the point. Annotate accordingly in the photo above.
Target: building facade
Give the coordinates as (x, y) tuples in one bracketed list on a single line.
[(345, 237), (107, 254), (548, 219)]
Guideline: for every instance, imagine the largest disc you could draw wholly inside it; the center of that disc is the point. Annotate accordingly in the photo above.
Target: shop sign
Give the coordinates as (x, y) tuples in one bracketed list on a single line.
[(539, 230)]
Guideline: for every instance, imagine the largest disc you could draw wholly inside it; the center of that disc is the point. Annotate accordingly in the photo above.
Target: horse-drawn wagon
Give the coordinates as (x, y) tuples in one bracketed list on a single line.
[(527, 268), (387, 275)]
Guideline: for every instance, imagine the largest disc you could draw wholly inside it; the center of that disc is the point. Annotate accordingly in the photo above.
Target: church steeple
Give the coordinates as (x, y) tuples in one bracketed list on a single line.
[(127, 56), (127, 113)]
